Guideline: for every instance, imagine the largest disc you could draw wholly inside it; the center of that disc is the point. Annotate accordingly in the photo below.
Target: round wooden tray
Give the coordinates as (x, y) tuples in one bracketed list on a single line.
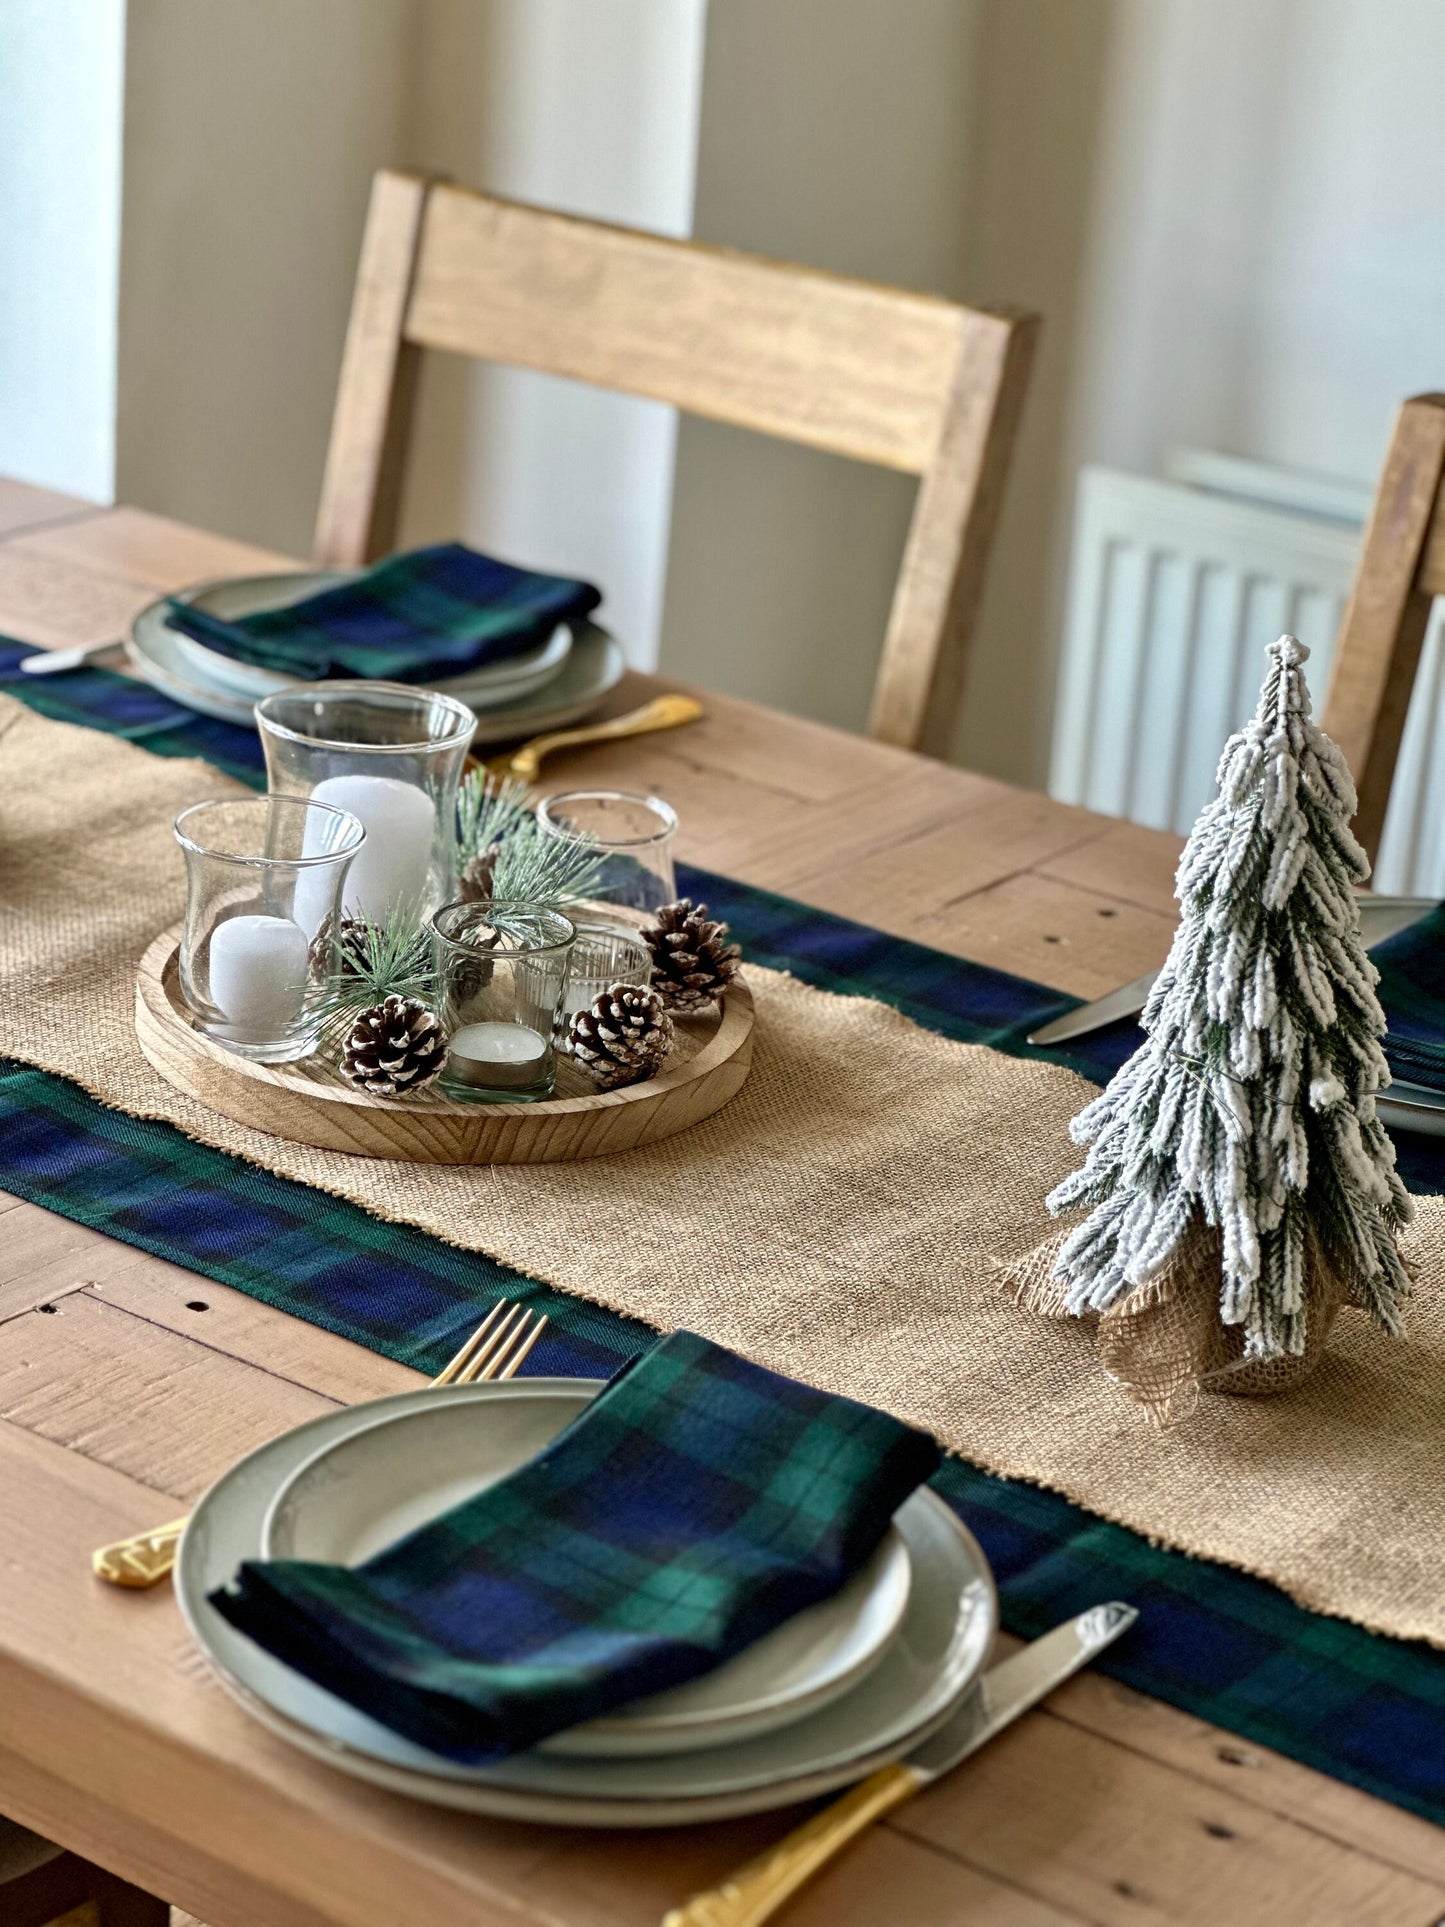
[(309, 1103)]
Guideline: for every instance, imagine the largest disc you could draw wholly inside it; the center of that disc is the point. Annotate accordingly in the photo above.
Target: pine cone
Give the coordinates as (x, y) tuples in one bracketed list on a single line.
[(395, 1047), (352, 952), (692, 961), (478, 877), (623, 1038)]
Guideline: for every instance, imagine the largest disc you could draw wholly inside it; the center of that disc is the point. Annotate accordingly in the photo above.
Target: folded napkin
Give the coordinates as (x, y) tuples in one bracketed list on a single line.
[(435, 612), (1412, 989), (698, 1502)]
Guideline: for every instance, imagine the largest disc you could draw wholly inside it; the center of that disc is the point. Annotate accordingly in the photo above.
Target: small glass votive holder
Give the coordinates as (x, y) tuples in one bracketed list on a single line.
[(633, 837), (502, 968), (391, 754), (603, 954), (250, 970)]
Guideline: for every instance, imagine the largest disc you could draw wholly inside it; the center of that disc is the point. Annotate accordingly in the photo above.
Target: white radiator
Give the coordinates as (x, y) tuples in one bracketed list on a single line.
[(1175, 588)]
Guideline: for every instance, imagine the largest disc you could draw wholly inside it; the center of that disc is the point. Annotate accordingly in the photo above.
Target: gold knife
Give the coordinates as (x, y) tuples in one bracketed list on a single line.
[(755, 1893)]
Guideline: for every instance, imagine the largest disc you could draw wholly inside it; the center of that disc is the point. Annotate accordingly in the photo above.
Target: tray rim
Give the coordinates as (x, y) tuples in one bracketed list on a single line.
[(162, 1027)]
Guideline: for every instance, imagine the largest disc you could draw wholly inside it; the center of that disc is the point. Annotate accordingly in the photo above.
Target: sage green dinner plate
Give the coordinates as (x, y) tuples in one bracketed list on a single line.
[(935, 1658), (246, 595), (594, 666), (361, 1493)]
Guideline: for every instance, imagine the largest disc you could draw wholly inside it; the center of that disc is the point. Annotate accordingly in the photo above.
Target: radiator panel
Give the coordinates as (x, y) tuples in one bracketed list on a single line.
[(1174, 594)]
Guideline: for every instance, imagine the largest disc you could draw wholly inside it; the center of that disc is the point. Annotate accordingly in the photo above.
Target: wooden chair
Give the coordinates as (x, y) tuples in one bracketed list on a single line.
[(1402, 568), (43, 1886), (904, 380)]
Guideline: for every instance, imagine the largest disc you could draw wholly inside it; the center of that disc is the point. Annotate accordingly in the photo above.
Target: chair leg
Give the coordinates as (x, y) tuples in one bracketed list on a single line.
[(67, 1884), (122, 1905)]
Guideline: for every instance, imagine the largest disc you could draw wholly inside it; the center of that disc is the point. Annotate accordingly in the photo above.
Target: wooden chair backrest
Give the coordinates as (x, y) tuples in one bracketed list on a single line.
[(1402, 568), (905, 380)]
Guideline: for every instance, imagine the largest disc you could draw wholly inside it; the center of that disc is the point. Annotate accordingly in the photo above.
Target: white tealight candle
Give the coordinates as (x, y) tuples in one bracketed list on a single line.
[(391, 867), (257, 975), (497, 1057)]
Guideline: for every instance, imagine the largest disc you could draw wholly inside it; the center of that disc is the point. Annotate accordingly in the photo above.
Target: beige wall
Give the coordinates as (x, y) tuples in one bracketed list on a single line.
[(591, 108), (839, 133), (1230, 213), (250, 136), (1042, 66), (1227, 211)]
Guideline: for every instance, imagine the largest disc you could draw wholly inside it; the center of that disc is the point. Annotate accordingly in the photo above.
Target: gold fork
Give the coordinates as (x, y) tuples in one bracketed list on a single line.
[(498, 1348)]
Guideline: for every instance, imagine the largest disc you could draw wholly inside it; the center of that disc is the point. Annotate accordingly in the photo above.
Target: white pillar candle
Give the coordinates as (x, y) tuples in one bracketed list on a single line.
[(497, 1057), (257, 975), (390, 869)]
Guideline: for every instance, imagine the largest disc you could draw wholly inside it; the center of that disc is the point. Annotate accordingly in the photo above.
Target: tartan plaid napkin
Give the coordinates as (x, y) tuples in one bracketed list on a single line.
[(1412, 989), (698, 1502), (434, 612)]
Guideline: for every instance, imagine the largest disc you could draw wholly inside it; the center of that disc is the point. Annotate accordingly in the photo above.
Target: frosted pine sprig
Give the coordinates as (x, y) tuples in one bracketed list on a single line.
[(531, 866), (391, 958)]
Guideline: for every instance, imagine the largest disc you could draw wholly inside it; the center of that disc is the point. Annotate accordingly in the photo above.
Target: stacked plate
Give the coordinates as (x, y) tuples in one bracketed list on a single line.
[(819, 1703), (555, 683), (1412, 1107)]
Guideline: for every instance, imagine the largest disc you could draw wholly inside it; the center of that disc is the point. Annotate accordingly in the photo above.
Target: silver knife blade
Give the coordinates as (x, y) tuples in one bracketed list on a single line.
[(50, 662), (1127, 1001), (1380, 917), (1019, 1682)]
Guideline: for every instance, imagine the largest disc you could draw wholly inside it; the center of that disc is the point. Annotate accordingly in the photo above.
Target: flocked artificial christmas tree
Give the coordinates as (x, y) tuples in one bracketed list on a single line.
[(1238, 1183)]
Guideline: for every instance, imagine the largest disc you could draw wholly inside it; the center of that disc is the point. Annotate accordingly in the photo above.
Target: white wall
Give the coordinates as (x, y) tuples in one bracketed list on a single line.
[(251, 133), (837, 133), (251, 136), (1267, 268), (1227, 210), (590, 106), (1260, 267), (61, 64)]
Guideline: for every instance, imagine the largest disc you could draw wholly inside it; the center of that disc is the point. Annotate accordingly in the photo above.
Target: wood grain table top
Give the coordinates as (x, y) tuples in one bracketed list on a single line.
[(127, 1385)]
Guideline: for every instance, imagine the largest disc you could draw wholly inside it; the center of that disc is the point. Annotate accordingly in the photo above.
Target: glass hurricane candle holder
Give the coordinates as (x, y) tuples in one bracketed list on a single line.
[(633, 838), (250, 970), (603, 954), (393, 756), (502, 969)]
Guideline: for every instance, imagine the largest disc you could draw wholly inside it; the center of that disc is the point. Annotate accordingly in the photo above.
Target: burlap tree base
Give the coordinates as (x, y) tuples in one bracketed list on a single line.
[(1164, 1344)]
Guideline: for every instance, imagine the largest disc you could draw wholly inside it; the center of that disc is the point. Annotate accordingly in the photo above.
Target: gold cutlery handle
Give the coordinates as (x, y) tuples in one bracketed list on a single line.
[(143, 1560), (663, 712), (755, 1892), (494, 1350)]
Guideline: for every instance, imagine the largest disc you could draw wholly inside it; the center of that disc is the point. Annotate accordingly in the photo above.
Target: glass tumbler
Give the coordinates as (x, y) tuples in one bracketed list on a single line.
[(633, 835), (603, 954), (249, 967), (502, 969), (393, 756)]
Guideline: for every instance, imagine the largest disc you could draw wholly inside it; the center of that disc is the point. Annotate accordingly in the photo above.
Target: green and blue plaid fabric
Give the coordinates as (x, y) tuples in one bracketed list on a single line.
[(1412, 989), (433, 613), (1216, 1643), (699, 1502)]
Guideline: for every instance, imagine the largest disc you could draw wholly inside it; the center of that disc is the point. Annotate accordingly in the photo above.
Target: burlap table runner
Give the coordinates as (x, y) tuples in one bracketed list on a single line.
[(842, 1220)]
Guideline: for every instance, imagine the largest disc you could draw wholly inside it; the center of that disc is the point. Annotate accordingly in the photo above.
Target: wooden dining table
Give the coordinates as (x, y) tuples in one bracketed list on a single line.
[(127, 1385)]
